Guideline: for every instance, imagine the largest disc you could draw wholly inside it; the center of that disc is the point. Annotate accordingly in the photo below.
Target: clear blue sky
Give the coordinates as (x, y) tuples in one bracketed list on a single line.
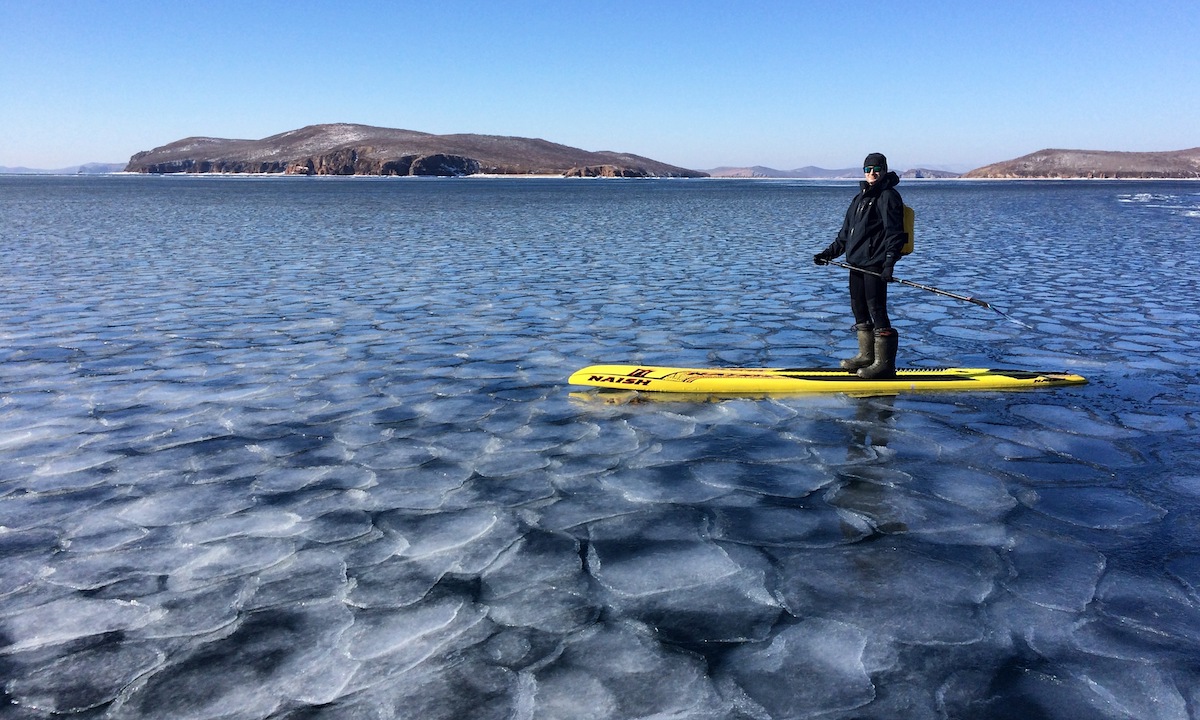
[(697, 83)]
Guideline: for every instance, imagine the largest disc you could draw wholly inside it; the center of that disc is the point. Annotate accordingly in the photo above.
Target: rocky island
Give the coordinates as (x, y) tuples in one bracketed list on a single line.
[(1095, 164), (346, 149)]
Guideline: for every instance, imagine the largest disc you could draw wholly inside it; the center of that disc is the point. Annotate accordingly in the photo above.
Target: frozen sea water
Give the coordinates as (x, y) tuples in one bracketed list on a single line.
[(303, 448)]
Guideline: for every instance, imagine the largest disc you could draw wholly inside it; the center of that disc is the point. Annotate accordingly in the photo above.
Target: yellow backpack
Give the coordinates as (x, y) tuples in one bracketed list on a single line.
[(910, 219)]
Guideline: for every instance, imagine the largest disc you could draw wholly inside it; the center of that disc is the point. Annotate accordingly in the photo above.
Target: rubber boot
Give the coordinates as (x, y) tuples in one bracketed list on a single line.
[(886, 343), (866, 349)]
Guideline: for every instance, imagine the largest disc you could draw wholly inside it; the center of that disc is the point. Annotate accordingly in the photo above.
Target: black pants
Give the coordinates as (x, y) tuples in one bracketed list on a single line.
[(868, 300)]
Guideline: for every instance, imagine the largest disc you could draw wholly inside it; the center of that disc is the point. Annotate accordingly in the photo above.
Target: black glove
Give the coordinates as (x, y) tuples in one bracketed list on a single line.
[(889, 265), (822, 258)]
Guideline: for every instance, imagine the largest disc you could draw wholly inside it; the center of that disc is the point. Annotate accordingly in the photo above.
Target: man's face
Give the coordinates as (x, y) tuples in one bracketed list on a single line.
[(872, 173)]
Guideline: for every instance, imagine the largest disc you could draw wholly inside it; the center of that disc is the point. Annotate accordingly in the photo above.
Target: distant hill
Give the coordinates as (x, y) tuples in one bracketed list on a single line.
[(88, 169), (804, 173), (816, 173), (100, 168), (345, 149), (1095, 164), (929, 174)]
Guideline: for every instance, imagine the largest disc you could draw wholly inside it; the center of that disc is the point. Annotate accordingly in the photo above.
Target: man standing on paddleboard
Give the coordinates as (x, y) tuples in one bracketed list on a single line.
[(872, 237)]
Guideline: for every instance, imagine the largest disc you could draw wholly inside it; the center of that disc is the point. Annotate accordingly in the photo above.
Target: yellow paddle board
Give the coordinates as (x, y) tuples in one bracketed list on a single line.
[(772, 381)]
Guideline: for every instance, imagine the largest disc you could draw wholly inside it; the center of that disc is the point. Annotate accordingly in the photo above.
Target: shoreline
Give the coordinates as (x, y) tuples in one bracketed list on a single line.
[(495, 176)]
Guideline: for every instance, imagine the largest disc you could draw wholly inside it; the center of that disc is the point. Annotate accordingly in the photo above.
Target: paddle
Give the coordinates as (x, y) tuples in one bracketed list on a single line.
[(931, 289)]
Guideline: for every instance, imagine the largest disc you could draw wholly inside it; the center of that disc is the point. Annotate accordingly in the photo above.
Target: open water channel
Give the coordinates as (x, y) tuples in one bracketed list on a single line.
[(303, 448)]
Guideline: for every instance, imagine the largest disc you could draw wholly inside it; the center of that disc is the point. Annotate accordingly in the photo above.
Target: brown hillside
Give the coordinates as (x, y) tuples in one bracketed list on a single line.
[(1096, 164), (345, 149)]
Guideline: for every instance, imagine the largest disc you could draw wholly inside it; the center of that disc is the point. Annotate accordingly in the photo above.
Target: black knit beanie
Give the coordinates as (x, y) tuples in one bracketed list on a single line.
[(876, 159)]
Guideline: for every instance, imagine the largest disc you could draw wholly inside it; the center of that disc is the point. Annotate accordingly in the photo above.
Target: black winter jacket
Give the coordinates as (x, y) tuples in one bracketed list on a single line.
[(873, 232)]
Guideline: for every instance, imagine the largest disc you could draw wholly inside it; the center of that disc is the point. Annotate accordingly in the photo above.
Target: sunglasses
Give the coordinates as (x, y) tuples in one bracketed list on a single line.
[(873, 169)]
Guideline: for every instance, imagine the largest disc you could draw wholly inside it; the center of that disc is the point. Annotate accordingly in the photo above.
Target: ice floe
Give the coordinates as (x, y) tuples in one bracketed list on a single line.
[(275, 448)]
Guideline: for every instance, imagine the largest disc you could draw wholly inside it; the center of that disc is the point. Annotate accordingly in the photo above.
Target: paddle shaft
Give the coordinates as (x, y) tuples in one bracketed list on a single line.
[(931, 289), (916, 285)]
